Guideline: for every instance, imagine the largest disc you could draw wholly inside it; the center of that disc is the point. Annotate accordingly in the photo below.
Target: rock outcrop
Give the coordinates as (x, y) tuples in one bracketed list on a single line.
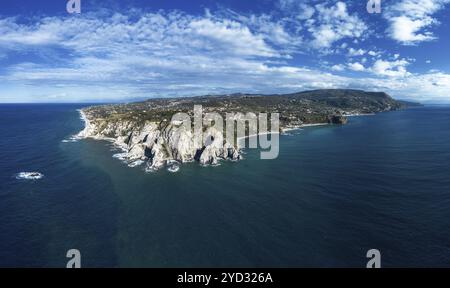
[(159, 144), (337, 119)]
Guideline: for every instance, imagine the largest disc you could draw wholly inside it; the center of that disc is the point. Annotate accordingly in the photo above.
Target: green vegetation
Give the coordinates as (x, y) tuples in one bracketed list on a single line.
[(309, 107)]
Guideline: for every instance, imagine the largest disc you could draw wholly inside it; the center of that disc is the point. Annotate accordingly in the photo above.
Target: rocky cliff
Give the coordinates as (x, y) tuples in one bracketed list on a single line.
[(158, 144)]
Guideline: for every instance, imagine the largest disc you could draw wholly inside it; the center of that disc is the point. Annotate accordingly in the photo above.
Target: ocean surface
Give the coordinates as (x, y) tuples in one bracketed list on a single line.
[(334, 192)]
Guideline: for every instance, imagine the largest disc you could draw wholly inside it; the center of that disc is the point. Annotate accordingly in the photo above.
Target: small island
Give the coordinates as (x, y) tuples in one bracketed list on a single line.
[(147, 135)]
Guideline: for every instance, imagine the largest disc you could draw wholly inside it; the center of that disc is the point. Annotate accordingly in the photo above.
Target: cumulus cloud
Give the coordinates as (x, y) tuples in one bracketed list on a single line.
[(138, 54), (326, 22), (417, 87), (233, 35), (338, 67), (395, 68), (275, 32), (356, 66), (410, 20), (380, 68), (356, 52), (333, 24), (301, 9), (151, 54)]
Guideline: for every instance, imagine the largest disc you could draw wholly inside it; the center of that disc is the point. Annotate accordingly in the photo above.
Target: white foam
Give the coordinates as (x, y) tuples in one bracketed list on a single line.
[(71, 139), (29, 175), (173, 168), (150, 170), (315, 124), (136, 163), (212, 165), (83, 133), (286, 134), (121, 156)]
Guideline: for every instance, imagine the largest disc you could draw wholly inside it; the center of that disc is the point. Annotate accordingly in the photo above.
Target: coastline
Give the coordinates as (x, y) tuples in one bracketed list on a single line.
[(128, 155), (86, 122), (287, 129), (362, 114), (83, 134), (292, 128)]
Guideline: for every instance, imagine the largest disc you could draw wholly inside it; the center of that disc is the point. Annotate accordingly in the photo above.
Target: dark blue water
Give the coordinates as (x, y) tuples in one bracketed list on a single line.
[(334, 192)]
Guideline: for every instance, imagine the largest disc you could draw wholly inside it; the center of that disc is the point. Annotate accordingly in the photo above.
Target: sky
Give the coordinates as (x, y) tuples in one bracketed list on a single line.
[(132, 50)]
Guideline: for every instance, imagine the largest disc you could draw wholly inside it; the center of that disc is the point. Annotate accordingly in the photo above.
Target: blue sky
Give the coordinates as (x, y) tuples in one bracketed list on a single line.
[(128, 50)]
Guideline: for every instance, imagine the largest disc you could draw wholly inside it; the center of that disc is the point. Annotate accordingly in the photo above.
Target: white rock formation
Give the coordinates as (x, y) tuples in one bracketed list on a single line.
[(158, 144)]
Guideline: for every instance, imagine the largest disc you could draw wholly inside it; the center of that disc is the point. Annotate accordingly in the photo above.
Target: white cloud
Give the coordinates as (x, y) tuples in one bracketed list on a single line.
[(395, 68), (338, 67), (151, 54), (356, 52), (326, 22), (273, 31), (410, 20), (301, 9), (333, 24), (41, 34), (356, 66), (138, 54), (235, 37), (405, 29), (380, 68), (433, 86)]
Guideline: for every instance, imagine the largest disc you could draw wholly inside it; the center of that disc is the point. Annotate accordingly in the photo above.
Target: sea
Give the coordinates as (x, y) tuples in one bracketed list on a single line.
[(380, 182)]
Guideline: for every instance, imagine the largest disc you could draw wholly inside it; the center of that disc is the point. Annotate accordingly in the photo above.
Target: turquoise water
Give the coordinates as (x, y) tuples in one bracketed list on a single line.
[(334, 192)]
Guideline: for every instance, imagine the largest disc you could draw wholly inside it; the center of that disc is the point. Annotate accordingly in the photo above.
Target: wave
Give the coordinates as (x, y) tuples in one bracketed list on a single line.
[(71, 139), (121, 156), (214, 165), (136, 163), (173, 166), (81, 134)]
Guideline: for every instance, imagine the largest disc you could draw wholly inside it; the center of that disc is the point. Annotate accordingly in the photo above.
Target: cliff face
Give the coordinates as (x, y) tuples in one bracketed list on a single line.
[(159, 144), (146, 133)]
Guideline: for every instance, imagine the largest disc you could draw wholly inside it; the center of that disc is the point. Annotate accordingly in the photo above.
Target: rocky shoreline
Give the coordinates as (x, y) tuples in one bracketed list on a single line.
[(159, 147)]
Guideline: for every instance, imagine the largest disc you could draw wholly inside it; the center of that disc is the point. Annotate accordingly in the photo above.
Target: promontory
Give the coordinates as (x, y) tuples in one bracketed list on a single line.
[(148, 136)]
